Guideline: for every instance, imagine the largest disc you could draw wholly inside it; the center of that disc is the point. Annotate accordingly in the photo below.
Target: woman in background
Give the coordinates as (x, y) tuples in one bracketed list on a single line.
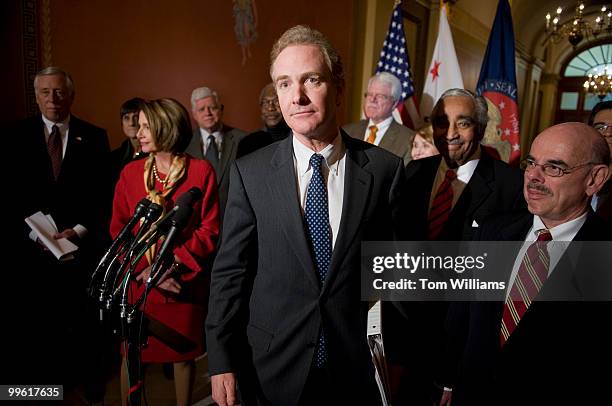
[(423, 145), (179, 299)]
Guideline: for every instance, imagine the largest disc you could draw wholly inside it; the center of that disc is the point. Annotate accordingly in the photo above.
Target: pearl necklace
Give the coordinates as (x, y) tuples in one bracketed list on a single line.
[(164, 182)]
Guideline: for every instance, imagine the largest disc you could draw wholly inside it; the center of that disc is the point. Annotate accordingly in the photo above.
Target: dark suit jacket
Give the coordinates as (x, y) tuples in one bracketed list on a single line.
[(495, 188), (397, 139), (558, 350), (81, 195), (229, 146), (266, 305)]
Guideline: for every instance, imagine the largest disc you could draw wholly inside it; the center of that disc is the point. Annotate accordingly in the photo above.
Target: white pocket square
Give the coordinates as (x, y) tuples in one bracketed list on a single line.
[(474, 223)]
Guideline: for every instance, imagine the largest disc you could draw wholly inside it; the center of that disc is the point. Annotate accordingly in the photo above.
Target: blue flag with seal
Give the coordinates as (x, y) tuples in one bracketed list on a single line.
[(497, 83)]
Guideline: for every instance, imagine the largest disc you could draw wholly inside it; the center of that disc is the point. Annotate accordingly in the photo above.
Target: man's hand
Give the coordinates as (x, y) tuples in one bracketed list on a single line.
[(68, 233), (224, 389)]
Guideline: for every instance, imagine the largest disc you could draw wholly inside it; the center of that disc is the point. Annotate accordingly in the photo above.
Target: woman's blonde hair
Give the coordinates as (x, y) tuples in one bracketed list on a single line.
[(169, 123)]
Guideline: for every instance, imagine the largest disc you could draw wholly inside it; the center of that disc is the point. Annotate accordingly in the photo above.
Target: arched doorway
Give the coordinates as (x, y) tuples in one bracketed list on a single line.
[(573, 103)]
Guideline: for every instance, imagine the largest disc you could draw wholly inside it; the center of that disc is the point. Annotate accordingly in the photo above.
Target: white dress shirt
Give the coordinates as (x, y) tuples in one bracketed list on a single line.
[(383, 126), (333, 173)]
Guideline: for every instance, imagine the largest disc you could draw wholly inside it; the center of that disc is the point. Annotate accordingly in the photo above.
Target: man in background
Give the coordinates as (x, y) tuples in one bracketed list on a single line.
[(64, 174), (275, 128), (212, 139), (601, 120), (450, 196), (379, 127)]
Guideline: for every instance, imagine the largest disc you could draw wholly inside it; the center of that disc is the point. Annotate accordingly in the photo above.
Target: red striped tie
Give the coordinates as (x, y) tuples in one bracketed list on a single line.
[(441, 206), (529, 280), (54, 147)]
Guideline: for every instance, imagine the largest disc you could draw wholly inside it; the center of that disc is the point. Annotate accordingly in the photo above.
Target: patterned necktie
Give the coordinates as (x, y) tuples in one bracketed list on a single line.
[(316, 217), (54, 148), (372, 135), (212, 153), (531, 275), (441, 205)]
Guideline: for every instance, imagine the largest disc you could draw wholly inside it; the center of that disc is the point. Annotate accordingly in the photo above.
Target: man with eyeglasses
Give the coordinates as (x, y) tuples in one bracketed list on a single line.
[(212, 139), (540, 346), (450, 196), (275, 127), (601, 120), (379, 127)]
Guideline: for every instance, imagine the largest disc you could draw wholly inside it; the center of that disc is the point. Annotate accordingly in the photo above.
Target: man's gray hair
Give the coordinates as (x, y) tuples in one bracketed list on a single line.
[(391, 80), (480, 109), (53, 71), (304, 35), (202, 92)]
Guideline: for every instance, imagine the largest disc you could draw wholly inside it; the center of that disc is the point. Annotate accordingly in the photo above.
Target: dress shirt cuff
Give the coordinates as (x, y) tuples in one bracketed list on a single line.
[(447, 389), (33, 236), (80, 230)]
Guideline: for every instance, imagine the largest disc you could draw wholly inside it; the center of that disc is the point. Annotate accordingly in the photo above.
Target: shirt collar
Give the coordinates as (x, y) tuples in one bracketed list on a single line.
[(205, 134), (383, 124), (60, 124), (563, 232), (331, 154), (464, 172)]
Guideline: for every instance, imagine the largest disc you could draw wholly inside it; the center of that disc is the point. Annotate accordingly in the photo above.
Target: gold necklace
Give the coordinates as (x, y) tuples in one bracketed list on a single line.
[(164, 182)]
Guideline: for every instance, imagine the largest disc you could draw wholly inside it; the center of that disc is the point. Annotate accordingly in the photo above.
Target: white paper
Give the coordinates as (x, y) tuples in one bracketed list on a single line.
[(44, 227), (374, 319)]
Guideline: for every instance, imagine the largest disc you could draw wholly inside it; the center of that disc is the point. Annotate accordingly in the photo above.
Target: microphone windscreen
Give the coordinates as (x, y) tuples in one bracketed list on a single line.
[(189, 197)]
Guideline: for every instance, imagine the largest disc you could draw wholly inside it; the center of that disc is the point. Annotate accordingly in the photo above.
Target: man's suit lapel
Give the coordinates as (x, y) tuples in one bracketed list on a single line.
[(357, 185), (40, 145), (227, 148), (475, 192), (195, 147), (74, 143), (283, 190)]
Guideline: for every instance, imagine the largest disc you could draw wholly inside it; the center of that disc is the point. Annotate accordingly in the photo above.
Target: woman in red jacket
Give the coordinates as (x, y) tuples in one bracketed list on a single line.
[(179, 300)]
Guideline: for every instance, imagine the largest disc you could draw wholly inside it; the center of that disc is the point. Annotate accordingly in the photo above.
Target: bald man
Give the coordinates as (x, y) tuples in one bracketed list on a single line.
[(551, 354)]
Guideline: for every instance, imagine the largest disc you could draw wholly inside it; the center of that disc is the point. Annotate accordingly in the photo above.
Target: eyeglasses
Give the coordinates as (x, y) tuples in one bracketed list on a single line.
[(551, 170), (603, 128), (377, 97)]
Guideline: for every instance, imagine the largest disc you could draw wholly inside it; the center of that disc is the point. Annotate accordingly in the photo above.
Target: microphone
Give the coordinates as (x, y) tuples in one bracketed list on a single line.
[(121, 238), (151, 214), (187, 199), (181, 217)]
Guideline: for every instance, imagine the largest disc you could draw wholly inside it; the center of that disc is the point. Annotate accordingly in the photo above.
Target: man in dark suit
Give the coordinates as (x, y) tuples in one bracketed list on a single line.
[(207, 111), (450, 195), (601, 120), (552, 352), (67, 176), (285, 315), (275, 128), (380, 128)]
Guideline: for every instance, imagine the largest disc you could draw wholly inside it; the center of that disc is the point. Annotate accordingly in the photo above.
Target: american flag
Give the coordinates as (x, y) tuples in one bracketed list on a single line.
[(395, 60)]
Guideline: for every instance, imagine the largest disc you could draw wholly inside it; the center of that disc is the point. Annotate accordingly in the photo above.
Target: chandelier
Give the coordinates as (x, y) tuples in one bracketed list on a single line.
[(577, 28), (599, 83)]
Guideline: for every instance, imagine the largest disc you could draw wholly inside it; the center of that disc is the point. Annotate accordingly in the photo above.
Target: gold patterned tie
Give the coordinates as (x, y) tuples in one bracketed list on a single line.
[(372, 135)]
